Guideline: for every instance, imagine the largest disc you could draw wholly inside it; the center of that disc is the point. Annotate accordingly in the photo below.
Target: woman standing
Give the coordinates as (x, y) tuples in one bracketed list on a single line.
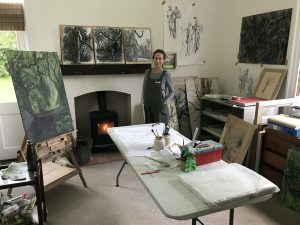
[(158, 91)]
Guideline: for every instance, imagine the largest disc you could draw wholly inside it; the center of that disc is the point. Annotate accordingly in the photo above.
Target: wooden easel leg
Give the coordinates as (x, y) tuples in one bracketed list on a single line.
[(74, 161), (20, 158)]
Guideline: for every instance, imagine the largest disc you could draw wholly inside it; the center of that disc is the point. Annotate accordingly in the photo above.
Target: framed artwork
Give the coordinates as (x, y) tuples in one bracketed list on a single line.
[(236, 139), (269, 83), (137, 45), (170, 63), (264, 38), (108, 45), (76, 45), (40, 94)]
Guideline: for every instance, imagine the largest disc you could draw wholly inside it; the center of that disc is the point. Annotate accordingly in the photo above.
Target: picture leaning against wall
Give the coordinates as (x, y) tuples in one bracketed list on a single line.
[(264, 38), (76, 45), (40, 94), (137, 45), (108, 45)]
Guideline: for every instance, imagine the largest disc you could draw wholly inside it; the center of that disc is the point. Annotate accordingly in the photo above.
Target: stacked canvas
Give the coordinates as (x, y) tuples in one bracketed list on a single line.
[(286, 124)]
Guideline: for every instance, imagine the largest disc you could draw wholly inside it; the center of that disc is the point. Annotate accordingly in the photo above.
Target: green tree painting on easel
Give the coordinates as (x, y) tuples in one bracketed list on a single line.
[(40, 93)]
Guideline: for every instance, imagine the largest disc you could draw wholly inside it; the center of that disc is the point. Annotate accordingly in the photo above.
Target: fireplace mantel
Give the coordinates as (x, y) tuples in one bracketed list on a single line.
[(104, 69)]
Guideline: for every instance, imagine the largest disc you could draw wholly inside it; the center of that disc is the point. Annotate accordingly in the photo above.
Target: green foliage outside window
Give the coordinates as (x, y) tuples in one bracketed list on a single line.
[(8, 39)]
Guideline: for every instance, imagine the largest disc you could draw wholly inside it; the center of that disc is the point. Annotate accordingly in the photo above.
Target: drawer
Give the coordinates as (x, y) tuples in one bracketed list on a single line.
[(273, 160), (272, 175)]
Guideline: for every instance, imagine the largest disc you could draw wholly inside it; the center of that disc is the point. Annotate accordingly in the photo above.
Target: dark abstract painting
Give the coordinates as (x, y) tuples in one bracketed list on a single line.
[(77, 45), (40, 93), (264, 38), (108, 45)]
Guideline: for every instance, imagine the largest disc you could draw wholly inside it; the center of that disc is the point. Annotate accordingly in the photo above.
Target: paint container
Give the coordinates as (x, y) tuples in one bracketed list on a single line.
[(168, 139), (159, 143)]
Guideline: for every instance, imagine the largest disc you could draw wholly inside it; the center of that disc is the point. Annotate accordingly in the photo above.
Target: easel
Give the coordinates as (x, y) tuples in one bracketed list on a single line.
[(54, 173)]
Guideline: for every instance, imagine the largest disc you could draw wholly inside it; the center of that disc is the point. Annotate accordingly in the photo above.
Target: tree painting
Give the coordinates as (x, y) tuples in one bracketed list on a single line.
[(40, 93), (77, 45), (108, 45), (264, 37), (137, 44)]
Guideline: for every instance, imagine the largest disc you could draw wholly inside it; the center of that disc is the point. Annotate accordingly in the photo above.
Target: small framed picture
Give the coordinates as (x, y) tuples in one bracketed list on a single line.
[(269, 83), (170, 63)]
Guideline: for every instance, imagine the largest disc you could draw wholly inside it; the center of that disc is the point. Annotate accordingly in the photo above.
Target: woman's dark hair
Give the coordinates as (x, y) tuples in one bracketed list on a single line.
[(159, 51)]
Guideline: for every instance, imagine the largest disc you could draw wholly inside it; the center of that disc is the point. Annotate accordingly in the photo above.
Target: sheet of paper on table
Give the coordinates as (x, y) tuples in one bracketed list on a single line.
[(139, 140)]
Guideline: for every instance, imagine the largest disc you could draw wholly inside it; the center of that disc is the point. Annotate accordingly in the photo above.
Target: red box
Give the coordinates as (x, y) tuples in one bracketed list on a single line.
[(208, 157)]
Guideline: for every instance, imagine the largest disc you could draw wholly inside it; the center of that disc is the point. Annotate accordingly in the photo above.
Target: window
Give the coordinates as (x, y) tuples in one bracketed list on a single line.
[(11, 37)]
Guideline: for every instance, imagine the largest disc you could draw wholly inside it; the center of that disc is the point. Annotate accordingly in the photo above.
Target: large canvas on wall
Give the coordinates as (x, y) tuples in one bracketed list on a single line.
[(40, 93), (264, 37), (108, 45), (77, 45), (137, 45)]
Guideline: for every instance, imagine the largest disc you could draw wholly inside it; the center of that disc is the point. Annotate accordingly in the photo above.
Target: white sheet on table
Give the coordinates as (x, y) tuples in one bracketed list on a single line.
[(138, 139), (225, 184)]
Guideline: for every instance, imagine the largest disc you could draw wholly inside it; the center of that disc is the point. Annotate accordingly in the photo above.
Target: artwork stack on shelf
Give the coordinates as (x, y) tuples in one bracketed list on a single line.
[(285, 124)]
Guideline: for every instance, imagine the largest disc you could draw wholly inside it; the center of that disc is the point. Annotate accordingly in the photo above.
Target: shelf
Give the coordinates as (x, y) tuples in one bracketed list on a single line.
[(214, 130), (218, 115), (104, 69)]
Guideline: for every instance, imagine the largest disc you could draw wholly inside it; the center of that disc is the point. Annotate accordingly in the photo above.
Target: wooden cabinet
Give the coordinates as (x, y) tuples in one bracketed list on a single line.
[(275, 146), (213, 115)]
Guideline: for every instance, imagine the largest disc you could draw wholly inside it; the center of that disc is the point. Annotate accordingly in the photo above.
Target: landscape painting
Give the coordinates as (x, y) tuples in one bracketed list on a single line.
[(40, 93), (137, 44), (77, 45), (108, 45), (264, 38)]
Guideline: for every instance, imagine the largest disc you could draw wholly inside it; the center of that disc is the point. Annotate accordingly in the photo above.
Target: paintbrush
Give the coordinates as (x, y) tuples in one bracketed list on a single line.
[(154, 133), (165, 164)]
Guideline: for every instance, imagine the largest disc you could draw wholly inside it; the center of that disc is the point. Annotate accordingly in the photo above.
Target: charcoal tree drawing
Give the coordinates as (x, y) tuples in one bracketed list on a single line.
[(172, 16), (108, 45), (40, 93), (264, 37), (137, 45), (245, 83), (77, 45)]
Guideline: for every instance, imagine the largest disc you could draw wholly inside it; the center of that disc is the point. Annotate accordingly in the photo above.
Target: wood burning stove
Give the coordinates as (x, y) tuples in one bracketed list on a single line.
[(102, 120)]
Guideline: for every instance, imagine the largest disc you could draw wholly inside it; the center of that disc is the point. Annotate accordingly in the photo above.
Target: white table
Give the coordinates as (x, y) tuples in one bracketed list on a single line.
[(171, 196)]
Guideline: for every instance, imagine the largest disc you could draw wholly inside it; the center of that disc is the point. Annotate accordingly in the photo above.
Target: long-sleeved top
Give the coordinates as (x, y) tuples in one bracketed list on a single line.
[(167, 87)]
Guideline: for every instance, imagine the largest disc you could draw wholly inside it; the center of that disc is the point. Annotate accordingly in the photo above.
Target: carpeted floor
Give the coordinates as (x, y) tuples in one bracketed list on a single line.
[(102, 203)]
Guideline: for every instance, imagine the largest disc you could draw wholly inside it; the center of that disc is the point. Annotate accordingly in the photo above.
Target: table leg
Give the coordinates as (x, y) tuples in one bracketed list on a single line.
[(117, 179), (194, 221), (231, 215)]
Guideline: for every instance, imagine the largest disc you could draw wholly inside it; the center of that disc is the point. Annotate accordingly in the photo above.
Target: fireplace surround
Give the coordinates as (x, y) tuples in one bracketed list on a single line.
[(124, 95)]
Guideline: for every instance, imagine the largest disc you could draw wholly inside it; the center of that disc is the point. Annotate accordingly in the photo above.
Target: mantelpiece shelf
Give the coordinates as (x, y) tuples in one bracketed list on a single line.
[(104, 69)]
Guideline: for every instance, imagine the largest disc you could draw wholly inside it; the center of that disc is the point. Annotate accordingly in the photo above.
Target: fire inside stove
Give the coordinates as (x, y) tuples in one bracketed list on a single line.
[(103, 126)]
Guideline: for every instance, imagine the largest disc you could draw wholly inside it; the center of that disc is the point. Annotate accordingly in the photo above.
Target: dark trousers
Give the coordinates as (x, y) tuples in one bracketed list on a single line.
[(153, 114)]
